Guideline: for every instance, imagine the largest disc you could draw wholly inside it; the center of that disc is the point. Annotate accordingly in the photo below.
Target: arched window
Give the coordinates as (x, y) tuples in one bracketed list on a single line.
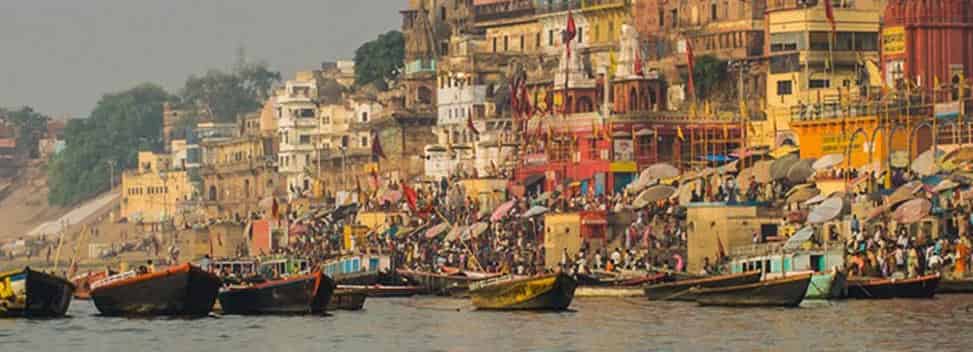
[(246, 188), (212, 193)]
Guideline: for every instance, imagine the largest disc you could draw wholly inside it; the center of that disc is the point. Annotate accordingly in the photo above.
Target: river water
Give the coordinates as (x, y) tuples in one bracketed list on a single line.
[(440, 324)]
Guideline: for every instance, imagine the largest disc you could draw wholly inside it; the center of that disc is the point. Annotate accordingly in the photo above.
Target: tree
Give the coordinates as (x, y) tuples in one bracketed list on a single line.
[(30, 125), (380, 60), (225, 96), (119, 127), (709, 73)]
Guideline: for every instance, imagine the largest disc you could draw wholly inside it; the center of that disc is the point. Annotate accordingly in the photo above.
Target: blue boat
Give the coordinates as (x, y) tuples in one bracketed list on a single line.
[(827, 282)]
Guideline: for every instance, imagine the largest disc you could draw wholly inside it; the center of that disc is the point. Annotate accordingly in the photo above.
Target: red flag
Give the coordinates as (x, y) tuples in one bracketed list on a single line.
[(691, 62), (569, 33), (275, 209), (410, 196), (377, 151), (829, 13), (470, 125), (524, 99), (514, 104), (638, 62)]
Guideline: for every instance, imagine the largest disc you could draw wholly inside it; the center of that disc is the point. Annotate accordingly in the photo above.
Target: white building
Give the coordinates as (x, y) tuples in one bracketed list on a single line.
[(297, 116)]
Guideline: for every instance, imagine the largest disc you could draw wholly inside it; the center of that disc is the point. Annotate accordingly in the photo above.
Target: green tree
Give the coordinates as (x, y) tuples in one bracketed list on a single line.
[(225, 96), (119, 127), (380, 60), (709, 72), (30, 125)]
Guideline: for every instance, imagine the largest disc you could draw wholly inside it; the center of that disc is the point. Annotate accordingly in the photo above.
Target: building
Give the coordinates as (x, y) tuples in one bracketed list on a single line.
[(926, 41), (237, 175), (155, 193), (297, 124), (715, 228)]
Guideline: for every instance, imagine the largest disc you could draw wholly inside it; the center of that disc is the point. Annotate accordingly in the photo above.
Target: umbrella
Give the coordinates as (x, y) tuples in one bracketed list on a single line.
[(454, 234), (698, 174), (686, 192), (826, 211), (912, 211), (434, 231), (653, 194), (729, 168), (535, 211), (945, 185), (477, 229), (925, 163), (828, 161), (501, 211), (816, 199), (783, 151), (904, 193), (658, 171), (802, 194), (392, 196), (960, 155), (780, 167), (761, 171), (799, 237), (800, 171)]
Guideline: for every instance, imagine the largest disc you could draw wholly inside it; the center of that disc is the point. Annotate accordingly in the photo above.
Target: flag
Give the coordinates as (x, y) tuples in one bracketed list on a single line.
[(377, 151), (638, 62), (691, 63), (720, 252), (679, 134), (410, 196), (570, 32), (525, 109), (470, 125), (275, 209), (829, 13)]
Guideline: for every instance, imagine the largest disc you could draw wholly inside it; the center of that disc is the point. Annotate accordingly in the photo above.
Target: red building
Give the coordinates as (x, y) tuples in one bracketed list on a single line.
[(925, 40)]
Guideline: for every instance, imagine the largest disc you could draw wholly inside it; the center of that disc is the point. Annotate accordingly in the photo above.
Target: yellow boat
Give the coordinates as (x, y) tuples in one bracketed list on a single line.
[(546, 292)]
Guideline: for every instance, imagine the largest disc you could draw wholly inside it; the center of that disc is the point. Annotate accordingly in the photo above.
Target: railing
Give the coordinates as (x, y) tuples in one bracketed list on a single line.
[(112, 279)]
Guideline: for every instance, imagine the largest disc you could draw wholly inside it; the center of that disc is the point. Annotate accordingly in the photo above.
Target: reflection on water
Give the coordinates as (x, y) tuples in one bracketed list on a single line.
[(436, 324)]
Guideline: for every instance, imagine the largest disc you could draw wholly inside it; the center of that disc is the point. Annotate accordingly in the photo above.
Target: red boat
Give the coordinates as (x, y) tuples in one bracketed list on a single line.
[(82, 284), (302, 294), (870, 288), (184, 290)]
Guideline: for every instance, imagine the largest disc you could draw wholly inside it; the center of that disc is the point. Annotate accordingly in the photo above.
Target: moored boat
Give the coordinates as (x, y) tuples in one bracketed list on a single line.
[(824, 286), (783, 292), (680, 290), (545, 292), (385, 291), (33, 294), (347, 299), (456, 285), (183, 290), (608, 280), (950, 286), (293, 295), (365, 269), (873, 288), (609, 291)]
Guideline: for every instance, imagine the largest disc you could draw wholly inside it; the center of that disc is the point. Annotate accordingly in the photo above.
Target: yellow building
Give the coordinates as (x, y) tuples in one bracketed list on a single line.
[(712, 226), (562, 232), (154, 192), (812, 74), (237, 174)]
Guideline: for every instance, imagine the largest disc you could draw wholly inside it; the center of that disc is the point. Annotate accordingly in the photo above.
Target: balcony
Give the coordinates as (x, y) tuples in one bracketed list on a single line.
[(500, 10)]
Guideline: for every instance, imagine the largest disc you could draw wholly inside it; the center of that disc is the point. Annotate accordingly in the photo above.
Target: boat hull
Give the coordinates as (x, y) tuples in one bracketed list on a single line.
[(680, 290), (784, 292), (827, 286), (440, 285), (184, 290), (921, 287), (598, 291), (549, 292), (380, 291), (347, 299), (298, 295), (953, 286), (34, 294)]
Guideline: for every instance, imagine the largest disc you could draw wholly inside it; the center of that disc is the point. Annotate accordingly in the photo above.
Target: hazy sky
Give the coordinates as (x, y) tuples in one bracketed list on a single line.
[(60, 56)]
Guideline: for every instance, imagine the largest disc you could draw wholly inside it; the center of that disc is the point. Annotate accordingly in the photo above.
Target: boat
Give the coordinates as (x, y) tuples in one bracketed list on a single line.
[(603, 279), (680, 290), (545, 292), (779, 262), (293, 295), (824, 286), (347, 299), (877, 288), (183, 290), (29, 293), (82, 284), (950, 286), (456, 285), (609, 291), (783, 292), (364, 269), (378, 291)]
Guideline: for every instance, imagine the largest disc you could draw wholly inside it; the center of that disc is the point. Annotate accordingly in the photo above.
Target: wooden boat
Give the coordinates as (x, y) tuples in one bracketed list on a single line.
[(602, 280), (294, 295), (832, 285), (82, 284), (679, 290), (347, 299), (378, 291), (365, 269), (951, 286), (545, 292), (783, 292), (609, 291), (33, 294), (456, 285), (872, 288), (183, 290)]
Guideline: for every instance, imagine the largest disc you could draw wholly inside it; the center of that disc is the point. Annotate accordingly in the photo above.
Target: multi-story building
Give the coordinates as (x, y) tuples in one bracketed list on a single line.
[(297, 124), (927, 40), (237, 174), (155, 192)]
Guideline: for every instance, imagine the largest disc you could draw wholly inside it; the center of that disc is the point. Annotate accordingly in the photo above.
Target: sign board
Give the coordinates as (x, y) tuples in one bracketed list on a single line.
[(893, 40), (624, 149), (838, 144), (947, 110)]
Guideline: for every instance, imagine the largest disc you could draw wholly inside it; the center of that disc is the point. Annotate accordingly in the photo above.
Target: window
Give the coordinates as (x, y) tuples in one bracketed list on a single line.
[(820, 40), (675, 17), (537, 41), (580, 35), (364, 142), (597, 32), (819, 83), (306, 113), (305, 139), (713, 9), (550, 38), (506, 43), (523, 43), (784, 88), (494, 44), (662, 18), (364, 116)]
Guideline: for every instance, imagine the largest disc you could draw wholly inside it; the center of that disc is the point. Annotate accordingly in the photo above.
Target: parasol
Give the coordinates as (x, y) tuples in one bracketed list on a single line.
[(780, 167), (391, 196), (477, 229), (826, 211), (653, 194), (454, 234), (761, 171), (535, 211), (501, 211), (816, 199), (903, 193), (912, 211), (686, 192), (729, 168), (945, 185), (434, 231), (925, 163), (802, 194), (658, 171), (799, 237), (827, 161), (800, 171)]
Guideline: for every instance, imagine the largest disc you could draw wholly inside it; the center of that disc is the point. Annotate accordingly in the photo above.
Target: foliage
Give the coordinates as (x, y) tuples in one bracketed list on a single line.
[(709, 73), (30, 125), (227, 95), (380, 60), (119, 127)]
